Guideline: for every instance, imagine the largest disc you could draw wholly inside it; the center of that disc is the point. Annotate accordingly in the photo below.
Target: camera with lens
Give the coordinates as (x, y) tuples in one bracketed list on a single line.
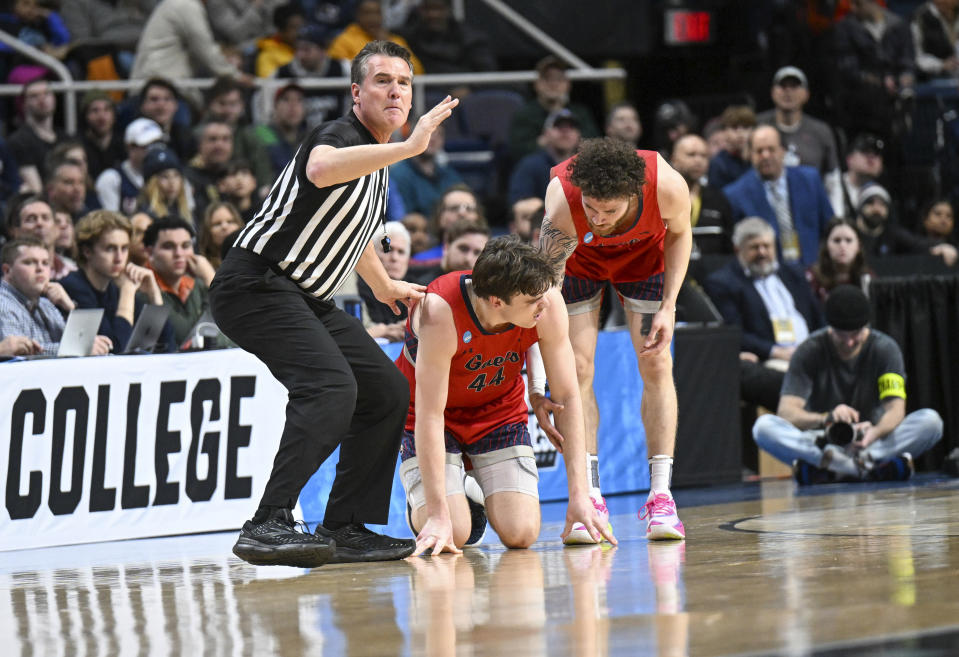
[(840, 433)]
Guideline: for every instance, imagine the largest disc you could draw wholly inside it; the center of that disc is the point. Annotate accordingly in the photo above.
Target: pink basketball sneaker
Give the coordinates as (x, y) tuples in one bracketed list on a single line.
[(579, 535), (661, 519)]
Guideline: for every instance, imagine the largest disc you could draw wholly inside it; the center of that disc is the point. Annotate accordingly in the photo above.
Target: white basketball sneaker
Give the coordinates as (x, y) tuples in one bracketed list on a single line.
[(662, 522)]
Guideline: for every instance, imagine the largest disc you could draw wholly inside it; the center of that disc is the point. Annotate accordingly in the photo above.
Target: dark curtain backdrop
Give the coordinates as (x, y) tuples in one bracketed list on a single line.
[(922, 314), (708, 440)]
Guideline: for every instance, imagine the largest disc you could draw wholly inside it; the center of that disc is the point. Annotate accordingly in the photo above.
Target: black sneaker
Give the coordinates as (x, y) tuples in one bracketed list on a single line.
[(409, 519), (807, 474), (476, 502), (357, 543), (276, 542), (899, 468)]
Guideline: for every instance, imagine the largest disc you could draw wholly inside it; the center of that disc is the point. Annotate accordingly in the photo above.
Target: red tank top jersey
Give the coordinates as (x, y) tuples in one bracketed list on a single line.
[(486, 389), (633, 255)]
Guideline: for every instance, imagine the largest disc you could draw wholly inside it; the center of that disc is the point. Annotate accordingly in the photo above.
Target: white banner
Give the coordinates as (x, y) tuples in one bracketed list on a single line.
[(119, 447)]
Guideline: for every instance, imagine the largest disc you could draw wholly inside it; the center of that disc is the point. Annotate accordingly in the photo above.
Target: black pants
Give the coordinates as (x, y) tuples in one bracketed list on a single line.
[(343, 390)]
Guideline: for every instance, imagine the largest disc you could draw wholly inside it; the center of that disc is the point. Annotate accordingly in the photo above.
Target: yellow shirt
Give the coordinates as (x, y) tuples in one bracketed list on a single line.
[(696, 204), (273, 54), (351, 40)]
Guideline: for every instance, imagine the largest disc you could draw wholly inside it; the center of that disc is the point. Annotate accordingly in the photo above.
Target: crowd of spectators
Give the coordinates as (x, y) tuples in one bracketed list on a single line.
[(140, 204)]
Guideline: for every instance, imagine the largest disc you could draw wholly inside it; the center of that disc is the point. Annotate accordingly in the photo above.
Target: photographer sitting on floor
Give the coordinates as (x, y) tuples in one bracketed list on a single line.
[(842, 411)]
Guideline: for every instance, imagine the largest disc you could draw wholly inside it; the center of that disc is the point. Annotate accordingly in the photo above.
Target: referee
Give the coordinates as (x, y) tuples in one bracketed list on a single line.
[(272, 296)]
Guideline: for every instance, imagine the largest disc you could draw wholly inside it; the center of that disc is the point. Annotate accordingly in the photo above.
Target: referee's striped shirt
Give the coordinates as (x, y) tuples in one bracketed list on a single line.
[(316, 235)]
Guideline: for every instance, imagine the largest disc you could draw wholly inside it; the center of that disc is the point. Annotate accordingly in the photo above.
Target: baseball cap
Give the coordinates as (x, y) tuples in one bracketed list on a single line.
[(787, 72), (159, 159), (548, 62), (674, 112), (866, 142), (847, 308), (142, 132), (871, 191), (91, 97), (287, 87), (561, 116)]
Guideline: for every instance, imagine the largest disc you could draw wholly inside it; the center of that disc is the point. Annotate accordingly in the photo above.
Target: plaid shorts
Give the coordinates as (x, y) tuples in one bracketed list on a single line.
[(584, 295), (506, 437)]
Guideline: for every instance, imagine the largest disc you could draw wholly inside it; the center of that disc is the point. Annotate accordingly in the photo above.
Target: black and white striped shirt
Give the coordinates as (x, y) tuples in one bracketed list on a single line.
[(316, 235)]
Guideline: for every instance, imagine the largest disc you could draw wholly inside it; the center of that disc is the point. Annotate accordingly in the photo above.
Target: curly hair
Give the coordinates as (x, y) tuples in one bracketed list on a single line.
[(509, 266), (607, 169)]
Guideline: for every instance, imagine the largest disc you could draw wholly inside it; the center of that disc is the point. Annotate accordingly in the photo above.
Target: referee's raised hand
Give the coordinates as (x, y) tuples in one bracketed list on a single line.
[(427, 123)]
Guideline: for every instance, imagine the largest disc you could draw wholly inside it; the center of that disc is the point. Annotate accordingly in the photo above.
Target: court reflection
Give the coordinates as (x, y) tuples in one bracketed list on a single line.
[(757, 579), (168, 608), (484, 602)]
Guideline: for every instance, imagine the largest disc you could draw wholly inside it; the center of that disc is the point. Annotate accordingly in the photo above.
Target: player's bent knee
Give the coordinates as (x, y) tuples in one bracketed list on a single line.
[(657, 368), (584, 370), (460, 537), (519, 537)]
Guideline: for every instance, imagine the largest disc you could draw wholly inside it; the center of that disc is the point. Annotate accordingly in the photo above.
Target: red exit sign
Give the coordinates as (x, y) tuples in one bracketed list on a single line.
[(685, 27)]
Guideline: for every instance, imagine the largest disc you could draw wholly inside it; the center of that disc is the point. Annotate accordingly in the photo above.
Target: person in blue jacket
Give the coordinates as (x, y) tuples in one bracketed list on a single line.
[(792, 200)]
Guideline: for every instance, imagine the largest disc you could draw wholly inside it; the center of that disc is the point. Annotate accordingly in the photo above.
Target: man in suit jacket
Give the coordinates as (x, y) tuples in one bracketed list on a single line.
[(791, 199), (769, 300)]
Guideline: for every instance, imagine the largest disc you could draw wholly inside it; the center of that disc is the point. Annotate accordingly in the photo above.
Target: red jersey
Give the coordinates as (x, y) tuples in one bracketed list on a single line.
[(486, 389), (633, 255)]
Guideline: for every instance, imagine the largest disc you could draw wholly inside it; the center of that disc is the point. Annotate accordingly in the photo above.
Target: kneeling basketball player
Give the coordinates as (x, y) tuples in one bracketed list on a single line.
[(466, 343)]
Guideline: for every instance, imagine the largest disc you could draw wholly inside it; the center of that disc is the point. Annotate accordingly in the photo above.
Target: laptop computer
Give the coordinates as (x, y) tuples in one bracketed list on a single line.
[(79, 332), (147, 329)]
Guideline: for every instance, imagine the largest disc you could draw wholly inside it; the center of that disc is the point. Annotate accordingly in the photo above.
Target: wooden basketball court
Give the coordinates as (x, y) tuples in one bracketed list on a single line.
[(767, 570)]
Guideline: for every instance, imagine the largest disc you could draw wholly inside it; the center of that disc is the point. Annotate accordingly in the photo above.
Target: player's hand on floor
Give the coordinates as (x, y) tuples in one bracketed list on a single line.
[(581, 510), (436, 536)]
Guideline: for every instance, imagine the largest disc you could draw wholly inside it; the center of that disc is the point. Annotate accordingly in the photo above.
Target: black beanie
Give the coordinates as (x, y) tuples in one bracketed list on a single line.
[(847, 308)]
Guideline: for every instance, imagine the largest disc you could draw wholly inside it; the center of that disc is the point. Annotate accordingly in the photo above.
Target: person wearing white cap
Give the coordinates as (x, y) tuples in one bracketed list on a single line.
[(807, 140), (119, 188)]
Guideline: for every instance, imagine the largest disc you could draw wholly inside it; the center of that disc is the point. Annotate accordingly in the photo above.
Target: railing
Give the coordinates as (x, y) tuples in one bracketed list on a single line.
[(70, 116), (580, 71), (70, 88)]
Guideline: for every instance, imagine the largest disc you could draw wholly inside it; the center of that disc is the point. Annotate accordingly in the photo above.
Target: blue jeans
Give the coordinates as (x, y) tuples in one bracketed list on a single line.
[(917, 432)]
